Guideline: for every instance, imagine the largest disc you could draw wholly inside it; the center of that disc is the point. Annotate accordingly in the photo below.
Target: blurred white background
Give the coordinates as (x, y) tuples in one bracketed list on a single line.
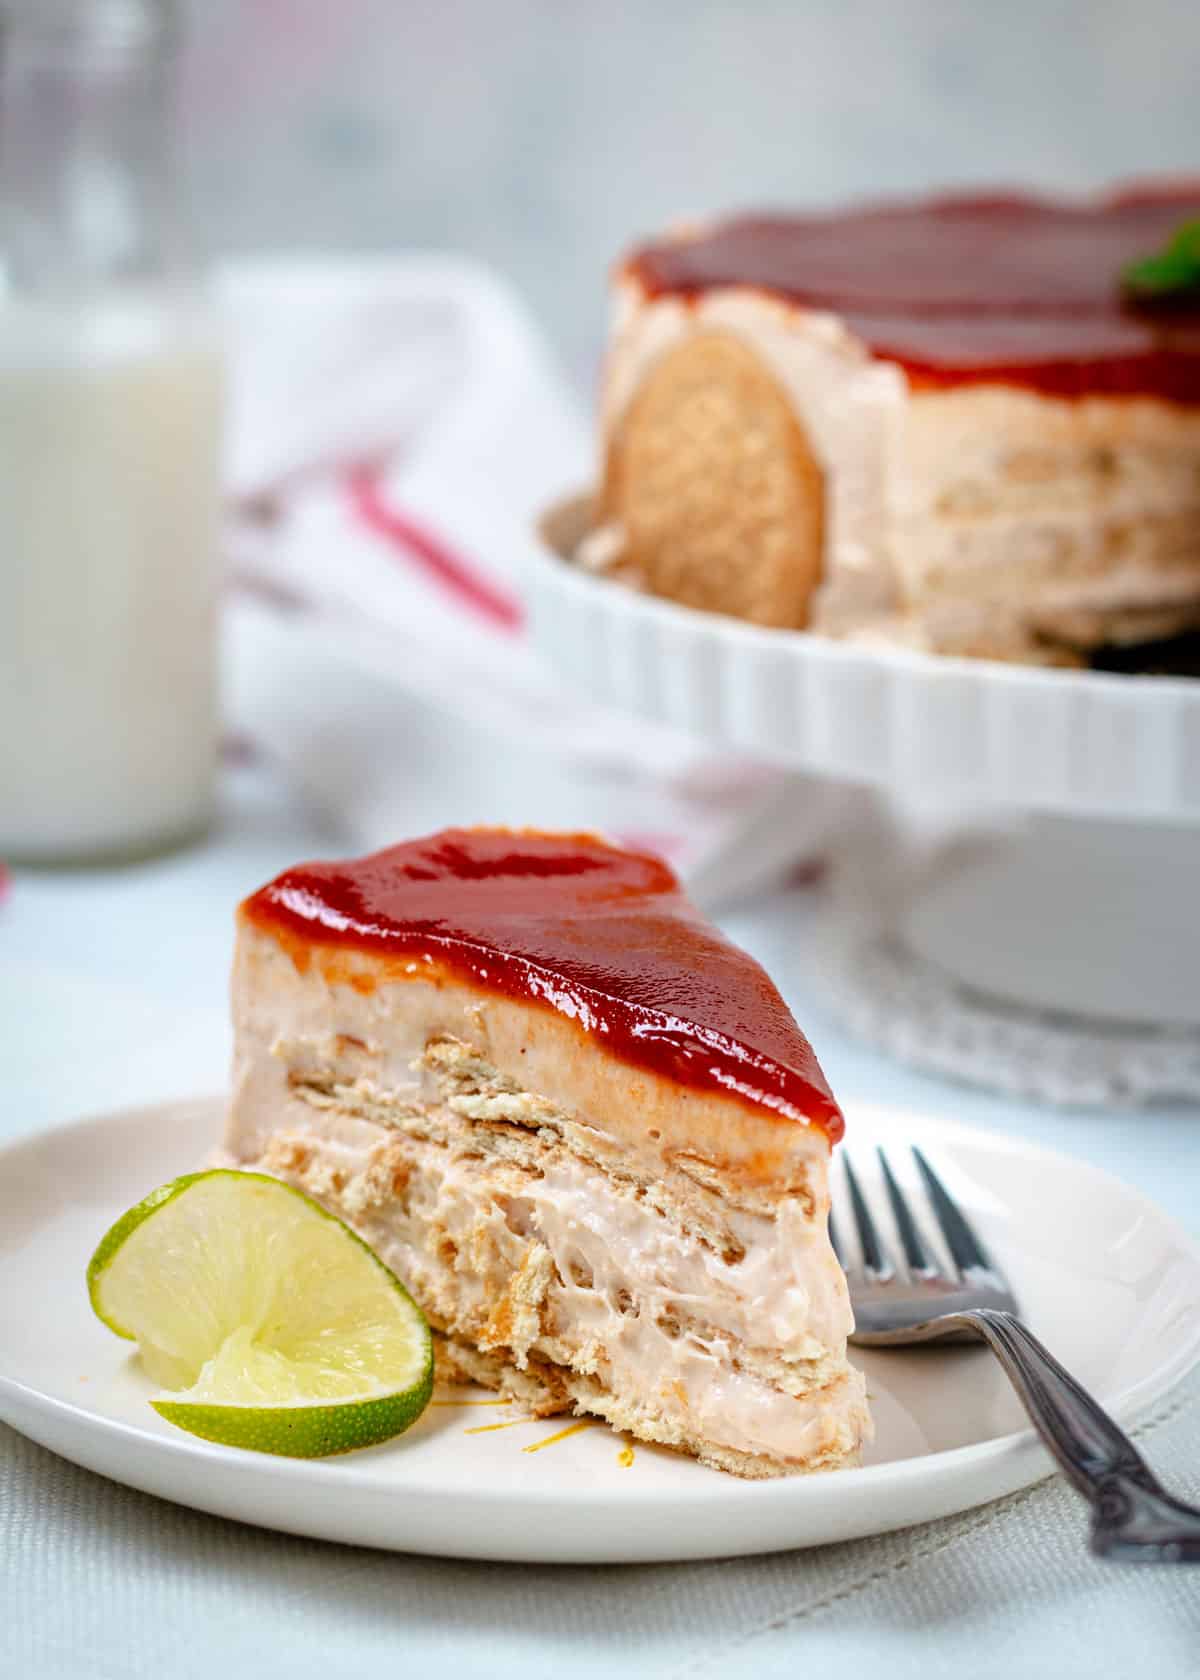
[(543, 134)]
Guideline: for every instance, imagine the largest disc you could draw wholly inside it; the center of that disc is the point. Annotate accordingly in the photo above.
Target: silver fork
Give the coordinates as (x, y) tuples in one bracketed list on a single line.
[(911, 1297)]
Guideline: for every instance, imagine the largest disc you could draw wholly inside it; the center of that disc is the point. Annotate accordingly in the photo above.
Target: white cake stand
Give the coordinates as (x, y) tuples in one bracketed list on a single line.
[(1055, 949)]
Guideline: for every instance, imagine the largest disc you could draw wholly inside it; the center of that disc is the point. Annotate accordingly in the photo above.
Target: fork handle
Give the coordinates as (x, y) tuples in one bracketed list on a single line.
[(1133, 1516)]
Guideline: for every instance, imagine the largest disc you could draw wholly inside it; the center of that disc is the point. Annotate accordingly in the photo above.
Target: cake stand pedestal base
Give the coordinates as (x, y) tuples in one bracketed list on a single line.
[(1055, 958)]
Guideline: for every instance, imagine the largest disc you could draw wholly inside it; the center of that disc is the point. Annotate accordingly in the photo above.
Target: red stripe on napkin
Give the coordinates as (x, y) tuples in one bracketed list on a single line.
[(457, 575)]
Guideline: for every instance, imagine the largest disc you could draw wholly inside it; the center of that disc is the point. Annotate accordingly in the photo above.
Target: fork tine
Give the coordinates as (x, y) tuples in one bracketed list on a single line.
[(835, 1239), (966, 1250), (917, 1257), (874, 1259)]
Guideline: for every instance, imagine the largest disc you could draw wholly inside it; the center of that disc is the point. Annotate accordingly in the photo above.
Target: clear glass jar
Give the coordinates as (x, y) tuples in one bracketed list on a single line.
[(110, 424)]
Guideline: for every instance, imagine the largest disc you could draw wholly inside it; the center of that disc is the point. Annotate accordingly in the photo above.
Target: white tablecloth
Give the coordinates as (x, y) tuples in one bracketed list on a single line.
[(98, 1582)]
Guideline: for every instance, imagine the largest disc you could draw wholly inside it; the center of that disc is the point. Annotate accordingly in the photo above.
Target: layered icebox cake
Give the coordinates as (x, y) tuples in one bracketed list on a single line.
[(580, 1125), (949, 424)]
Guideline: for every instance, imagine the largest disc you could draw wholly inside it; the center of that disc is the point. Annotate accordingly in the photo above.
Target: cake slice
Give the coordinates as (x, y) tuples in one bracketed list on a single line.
[(580, 1125)]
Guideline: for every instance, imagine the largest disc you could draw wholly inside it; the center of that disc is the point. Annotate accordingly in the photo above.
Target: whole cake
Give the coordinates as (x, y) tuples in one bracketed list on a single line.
[(580, 1125), (948, 423)]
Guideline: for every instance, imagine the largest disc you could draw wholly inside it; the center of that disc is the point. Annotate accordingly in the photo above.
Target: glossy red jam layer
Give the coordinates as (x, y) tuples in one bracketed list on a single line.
[(971, 289), (603, 936)]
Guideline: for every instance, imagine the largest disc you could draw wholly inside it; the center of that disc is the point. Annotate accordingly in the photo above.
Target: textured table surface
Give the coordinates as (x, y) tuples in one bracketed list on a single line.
[(112, 991)]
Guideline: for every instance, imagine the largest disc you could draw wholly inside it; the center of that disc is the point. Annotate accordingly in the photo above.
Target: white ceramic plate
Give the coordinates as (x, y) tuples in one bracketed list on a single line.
[(1105, 1277), (1084, 742)]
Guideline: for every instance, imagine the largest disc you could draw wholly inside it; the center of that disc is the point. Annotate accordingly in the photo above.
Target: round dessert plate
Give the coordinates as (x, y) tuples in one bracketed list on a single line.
[(1081, 742), (1105, 1277)]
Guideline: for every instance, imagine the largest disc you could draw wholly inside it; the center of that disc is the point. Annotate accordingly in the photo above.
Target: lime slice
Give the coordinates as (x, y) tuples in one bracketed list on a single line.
[(279, 1327)]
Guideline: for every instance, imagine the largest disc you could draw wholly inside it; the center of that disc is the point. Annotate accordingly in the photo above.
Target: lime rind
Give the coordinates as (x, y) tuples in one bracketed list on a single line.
[(302, 1431)]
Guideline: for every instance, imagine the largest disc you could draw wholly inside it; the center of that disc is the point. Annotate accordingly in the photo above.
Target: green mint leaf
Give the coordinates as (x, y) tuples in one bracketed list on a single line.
[(1170, 274)]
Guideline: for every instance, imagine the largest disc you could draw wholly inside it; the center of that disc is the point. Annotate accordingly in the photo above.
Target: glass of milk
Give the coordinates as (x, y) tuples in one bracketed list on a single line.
[(110, 426)]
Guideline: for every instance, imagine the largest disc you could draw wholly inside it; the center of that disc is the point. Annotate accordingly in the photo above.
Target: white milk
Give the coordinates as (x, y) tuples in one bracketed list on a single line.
[(110, 420)]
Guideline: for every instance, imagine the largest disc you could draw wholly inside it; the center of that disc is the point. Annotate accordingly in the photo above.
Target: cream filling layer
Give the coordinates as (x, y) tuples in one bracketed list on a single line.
[(629, 1299)]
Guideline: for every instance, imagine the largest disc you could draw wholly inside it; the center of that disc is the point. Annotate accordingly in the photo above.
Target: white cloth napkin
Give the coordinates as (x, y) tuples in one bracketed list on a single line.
[(397, 426)]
